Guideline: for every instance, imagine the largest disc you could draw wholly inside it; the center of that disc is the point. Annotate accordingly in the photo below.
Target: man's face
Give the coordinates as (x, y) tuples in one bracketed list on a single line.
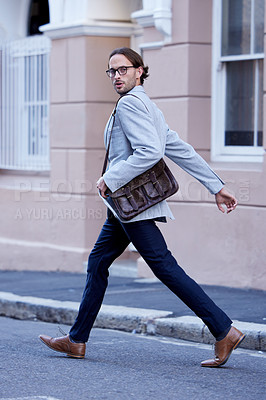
[(124, 83)]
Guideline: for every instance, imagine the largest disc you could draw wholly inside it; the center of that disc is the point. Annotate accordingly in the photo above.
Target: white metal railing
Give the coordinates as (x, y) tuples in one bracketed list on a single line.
[(24, 104)]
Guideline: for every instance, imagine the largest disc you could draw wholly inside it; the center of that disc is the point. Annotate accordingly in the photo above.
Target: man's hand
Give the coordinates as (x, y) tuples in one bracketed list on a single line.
[(224, 197), (102, 187)]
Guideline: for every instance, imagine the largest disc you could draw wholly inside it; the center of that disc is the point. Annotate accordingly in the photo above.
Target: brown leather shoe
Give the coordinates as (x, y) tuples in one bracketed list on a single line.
[(223, 348), (64, 345)]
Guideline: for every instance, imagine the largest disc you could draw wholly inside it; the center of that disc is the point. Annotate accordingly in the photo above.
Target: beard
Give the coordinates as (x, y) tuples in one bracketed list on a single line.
[(122, 87)]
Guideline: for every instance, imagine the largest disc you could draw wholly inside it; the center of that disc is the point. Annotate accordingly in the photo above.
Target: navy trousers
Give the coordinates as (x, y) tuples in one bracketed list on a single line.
[(148, 240)]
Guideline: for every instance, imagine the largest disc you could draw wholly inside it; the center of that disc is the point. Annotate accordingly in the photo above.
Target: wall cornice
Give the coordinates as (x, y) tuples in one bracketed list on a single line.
[(82, 17), (93, 28), (157, 13)]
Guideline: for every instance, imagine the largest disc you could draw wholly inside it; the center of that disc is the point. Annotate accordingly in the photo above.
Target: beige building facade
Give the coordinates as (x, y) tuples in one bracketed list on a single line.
[(207, 75)]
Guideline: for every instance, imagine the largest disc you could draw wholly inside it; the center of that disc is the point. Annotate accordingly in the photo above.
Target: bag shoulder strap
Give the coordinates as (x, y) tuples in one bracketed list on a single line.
[(109, 141), (113, 121)]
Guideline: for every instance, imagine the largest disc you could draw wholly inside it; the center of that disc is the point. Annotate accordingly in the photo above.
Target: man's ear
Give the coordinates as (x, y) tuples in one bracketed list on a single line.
[(139, 72)]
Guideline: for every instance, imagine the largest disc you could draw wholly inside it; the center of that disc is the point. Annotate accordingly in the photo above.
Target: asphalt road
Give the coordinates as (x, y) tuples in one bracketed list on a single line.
[(121, 366)]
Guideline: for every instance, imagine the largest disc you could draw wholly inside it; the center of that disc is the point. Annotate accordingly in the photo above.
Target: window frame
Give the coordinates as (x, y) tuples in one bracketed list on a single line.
[(220, 152), (25, 113)]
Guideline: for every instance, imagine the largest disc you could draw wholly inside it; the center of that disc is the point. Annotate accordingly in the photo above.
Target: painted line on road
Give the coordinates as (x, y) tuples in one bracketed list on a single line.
[(29, 398), (183, 343), (140, 290), (203, 346)]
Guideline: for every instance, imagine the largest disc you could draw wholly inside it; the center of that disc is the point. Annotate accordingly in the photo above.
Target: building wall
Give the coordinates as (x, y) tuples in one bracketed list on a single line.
[(13, 19), (52, 221), (81, 102), (212, 247)]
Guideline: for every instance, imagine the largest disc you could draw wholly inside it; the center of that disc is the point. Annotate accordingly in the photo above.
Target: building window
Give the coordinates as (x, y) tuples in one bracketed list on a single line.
[(238, 32), (38, 16), (24, 96), (24, 112)]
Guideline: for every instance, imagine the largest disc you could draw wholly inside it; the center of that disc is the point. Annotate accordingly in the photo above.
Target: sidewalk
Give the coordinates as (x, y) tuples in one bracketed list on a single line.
[(130, 304)]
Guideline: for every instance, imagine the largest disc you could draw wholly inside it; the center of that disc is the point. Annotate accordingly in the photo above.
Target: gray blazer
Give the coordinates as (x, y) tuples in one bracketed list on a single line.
[(140, 138)]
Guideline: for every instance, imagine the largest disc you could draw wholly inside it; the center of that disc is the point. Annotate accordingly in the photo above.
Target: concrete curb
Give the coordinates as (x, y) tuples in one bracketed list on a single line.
[(128, 319)]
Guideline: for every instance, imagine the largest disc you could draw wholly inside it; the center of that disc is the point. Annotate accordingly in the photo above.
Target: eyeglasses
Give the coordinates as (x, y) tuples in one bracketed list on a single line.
[(121, 70)]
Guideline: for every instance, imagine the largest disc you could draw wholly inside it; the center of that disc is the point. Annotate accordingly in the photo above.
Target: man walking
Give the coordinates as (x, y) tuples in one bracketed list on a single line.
[(140, 138)]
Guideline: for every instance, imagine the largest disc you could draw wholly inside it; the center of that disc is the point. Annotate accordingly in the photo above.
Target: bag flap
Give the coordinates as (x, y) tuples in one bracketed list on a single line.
[(139, 180)]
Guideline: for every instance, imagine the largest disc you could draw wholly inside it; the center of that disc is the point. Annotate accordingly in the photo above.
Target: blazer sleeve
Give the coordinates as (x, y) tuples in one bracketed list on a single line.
[(137, 125), (190, 161)]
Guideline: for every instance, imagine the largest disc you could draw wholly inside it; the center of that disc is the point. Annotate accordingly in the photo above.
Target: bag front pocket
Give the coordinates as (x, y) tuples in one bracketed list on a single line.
[(130, 201), (158, 187)]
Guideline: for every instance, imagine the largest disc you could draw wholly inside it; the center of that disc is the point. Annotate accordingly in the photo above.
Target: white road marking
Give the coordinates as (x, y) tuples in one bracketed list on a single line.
[(29, 398), (184, 343), (178, 342)]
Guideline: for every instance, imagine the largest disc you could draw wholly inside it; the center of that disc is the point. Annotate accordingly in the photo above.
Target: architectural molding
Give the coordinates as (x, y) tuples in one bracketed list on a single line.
[(156, 13), (92, 28), (70, 18)]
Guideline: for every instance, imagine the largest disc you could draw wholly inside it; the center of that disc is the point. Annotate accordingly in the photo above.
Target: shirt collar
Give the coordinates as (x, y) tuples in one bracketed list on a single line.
[(137, 89)]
